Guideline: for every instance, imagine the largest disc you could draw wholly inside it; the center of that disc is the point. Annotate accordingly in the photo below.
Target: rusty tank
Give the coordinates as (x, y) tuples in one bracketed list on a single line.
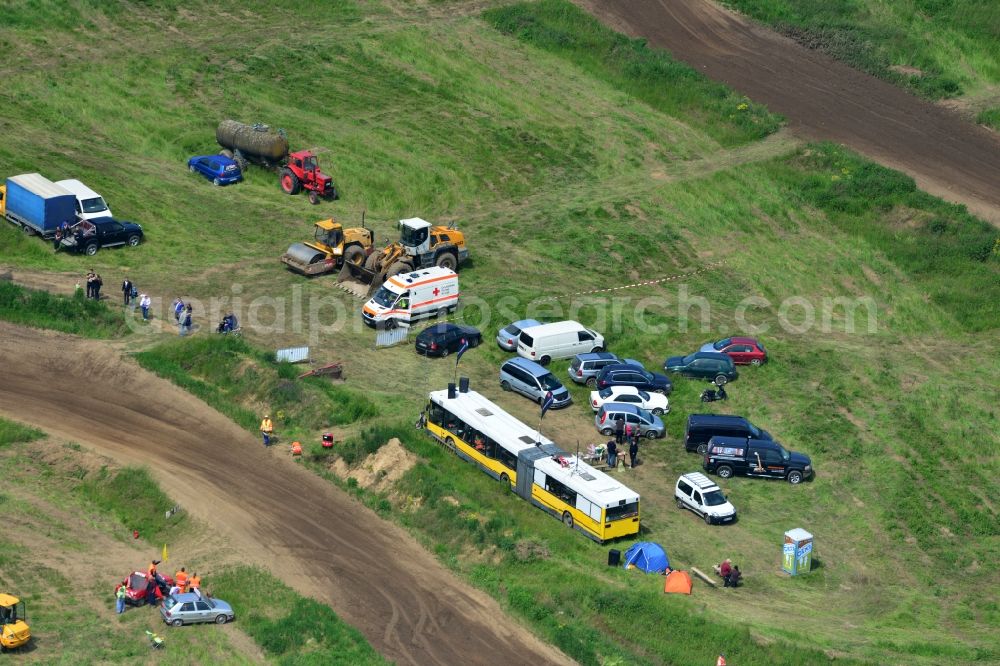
[(255, 143)]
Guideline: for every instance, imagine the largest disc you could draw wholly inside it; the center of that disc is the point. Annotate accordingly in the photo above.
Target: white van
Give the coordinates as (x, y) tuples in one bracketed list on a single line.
[(406, 297), (562, 339), (89, 204)]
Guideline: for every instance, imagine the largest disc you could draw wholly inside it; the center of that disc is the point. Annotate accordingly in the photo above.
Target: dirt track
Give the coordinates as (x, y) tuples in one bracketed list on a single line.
[(823, 99), (314, 537)]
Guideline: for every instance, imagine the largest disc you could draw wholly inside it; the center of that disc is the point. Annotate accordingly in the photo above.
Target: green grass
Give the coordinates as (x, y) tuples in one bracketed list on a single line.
[(132, 497), (290, 628), (990, 118), (229, 374), (76, 314), (951, 43), (553, 144), (12, 432), (631, 66)]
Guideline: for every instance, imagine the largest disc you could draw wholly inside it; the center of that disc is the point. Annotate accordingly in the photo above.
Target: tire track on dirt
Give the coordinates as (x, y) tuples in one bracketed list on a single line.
[(823, 99), (310, 534)]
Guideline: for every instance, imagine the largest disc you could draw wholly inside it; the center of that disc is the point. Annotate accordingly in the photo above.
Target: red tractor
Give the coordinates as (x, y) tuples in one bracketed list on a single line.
[(302, 172)]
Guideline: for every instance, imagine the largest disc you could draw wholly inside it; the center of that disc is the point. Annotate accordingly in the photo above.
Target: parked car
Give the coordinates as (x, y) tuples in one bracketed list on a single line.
[(697, 493), (136, 583), (219, 169), (702, 427), (507, 336), (443, 339), (729, 456), (561, 339), (633, 374), (649, 426), (91, 235), (712, 366), (584, 368), (743, 351), (532, 381), (190, 608), (655, 403)]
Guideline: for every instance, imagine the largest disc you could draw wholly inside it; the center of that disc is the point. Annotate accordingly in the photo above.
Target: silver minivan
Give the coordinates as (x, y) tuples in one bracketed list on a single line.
[(508, 335), (650, 425), (532, 381)]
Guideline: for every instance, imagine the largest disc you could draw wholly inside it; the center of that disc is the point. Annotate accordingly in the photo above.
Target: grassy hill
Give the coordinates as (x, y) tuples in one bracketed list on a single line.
[(937, 48), (558, 148)]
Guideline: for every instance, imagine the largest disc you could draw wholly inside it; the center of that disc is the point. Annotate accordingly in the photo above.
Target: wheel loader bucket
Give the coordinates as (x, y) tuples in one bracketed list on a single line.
[(359, 281)]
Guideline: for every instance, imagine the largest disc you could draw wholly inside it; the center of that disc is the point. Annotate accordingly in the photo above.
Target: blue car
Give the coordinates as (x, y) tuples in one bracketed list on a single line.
[(217, 168)]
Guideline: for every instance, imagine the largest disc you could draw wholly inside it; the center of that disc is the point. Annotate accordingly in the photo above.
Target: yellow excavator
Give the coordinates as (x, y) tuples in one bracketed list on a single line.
[(420, 245), (331, 247), (14, 631)]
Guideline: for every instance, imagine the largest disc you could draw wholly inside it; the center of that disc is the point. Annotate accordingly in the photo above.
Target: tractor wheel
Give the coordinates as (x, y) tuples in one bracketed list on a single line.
[(241, 161), (447, 260), (313, 197), (354, 255), (289, 181), (397, 268), (371, 263)]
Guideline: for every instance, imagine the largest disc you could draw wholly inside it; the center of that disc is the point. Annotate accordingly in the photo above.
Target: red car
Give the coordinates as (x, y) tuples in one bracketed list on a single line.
[(743, 351), (135, 587)]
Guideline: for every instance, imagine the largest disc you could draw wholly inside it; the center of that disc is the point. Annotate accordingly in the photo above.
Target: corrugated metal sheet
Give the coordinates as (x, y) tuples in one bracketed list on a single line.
[(292, 355)]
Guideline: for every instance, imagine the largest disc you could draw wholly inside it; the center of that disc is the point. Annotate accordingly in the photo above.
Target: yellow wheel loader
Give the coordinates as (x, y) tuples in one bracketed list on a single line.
[(420, 245), (331, 247), (14, 631)]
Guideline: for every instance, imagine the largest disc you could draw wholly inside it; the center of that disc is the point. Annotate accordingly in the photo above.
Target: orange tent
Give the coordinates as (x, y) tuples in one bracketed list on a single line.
[(678, 582)]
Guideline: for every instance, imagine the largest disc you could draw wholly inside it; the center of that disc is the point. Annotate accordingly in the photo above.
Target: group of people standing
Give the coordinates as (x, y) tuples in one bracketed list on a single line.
[(94, 284), (182, 315), (729, 572), (625, 436), (131, 297)]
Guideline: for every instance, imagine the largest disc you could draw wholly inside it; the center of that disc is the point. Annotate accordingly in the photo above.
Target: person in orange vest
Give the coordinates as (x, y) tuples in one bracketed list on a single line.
[(296, 449), (152, 568), (181, 578), (721, 661), (195, 583)]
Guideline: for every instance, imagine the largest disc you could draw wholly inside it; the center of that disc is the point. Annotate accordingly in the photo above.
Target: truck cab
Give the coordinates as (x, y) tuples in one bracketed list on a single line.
[(89, 204), (14, 631), (729, 456)]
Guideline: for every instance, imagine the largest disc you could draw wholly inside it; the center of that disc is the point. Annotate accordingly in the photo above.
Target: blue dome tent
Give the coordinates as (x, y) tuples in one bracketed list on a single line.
[(650, 557)]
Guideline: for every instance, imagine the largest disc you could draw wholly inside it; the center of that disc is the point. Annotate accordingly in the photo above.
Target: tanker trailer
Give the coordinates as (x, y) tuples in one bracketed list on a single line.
[(256, 144)]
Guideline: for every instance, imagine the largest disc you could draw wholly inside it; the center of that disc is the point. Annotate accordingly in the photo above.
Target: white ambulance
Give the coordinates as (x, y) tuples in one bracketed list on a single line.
[(406, 297)]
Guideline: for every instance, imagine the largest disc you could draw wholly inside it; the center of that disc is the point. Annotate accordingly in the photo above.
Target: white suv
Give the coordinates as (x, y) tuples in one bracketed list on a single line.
[(697, 492)]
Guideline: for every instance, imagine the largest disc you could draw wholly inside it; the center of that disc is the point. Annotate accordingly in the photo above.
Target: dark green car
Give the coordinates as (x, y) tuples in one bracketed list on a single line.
[(711, 366)]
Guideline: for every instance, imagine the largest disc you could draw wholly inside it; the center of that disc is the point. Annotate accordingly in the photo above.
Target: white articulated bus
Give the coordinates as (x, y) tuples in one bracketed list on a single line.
[(539, 471)]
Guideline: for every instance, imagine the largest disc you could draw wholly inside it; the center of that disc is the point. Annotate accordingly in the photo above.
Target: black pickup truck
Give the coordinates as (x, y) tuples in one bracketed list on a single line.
[(728, 456), (91, 235)]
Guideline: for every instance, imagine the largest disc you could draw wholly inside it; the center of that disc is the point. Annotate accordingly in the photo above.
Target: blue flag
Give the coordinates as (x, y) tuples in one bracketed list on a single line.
[(547, 403), (461, 350)]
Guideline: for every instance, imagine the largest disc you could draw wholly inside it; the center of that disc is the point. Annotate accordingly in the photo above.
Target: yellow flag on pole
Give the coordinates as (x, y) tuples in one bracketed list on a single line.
[(164, 556)]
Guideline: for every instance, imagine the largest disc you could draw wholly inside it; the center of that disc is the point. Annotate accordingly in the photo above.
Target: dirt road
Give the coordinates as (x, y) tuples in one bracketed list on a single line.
[(822, 98), (311, 535)]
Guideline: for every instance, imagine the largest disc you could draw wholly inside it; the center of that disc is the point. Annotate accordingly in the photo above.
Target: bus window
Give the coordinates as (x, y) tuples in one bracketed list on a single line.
[(506, 458), (436, 414), (622, 511), (561, 491)]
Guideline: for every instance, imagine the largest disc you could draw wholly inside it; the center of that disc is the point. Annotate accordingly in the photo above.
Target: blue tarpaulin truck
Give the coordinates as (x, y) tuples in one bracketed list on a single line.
[(36, 204)]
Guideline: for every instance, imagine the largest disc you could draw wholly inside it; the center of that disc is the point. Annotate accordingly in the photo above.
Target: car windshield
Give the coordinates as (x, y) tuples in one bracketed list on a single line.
[(785, 455), (549, 382), (95, 205), (412, 237), (722, 344), (604, 392), (385, 297), (688, 359), (714, 498), (512, 331), (644, 395)]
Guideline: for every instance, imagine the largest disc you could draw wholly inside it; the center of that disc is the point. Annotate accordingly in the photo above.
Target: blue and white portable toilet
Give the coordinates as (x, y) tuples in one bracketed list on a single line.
[(797, 552)]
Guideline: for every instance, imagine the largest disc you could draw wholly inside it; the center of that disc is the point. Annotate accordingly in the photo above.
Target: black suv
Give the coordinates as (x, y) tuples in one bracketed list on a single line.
[(705, 365), (91, 235), (633, 374), (703, 427), (728, 456), (442, 339)]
